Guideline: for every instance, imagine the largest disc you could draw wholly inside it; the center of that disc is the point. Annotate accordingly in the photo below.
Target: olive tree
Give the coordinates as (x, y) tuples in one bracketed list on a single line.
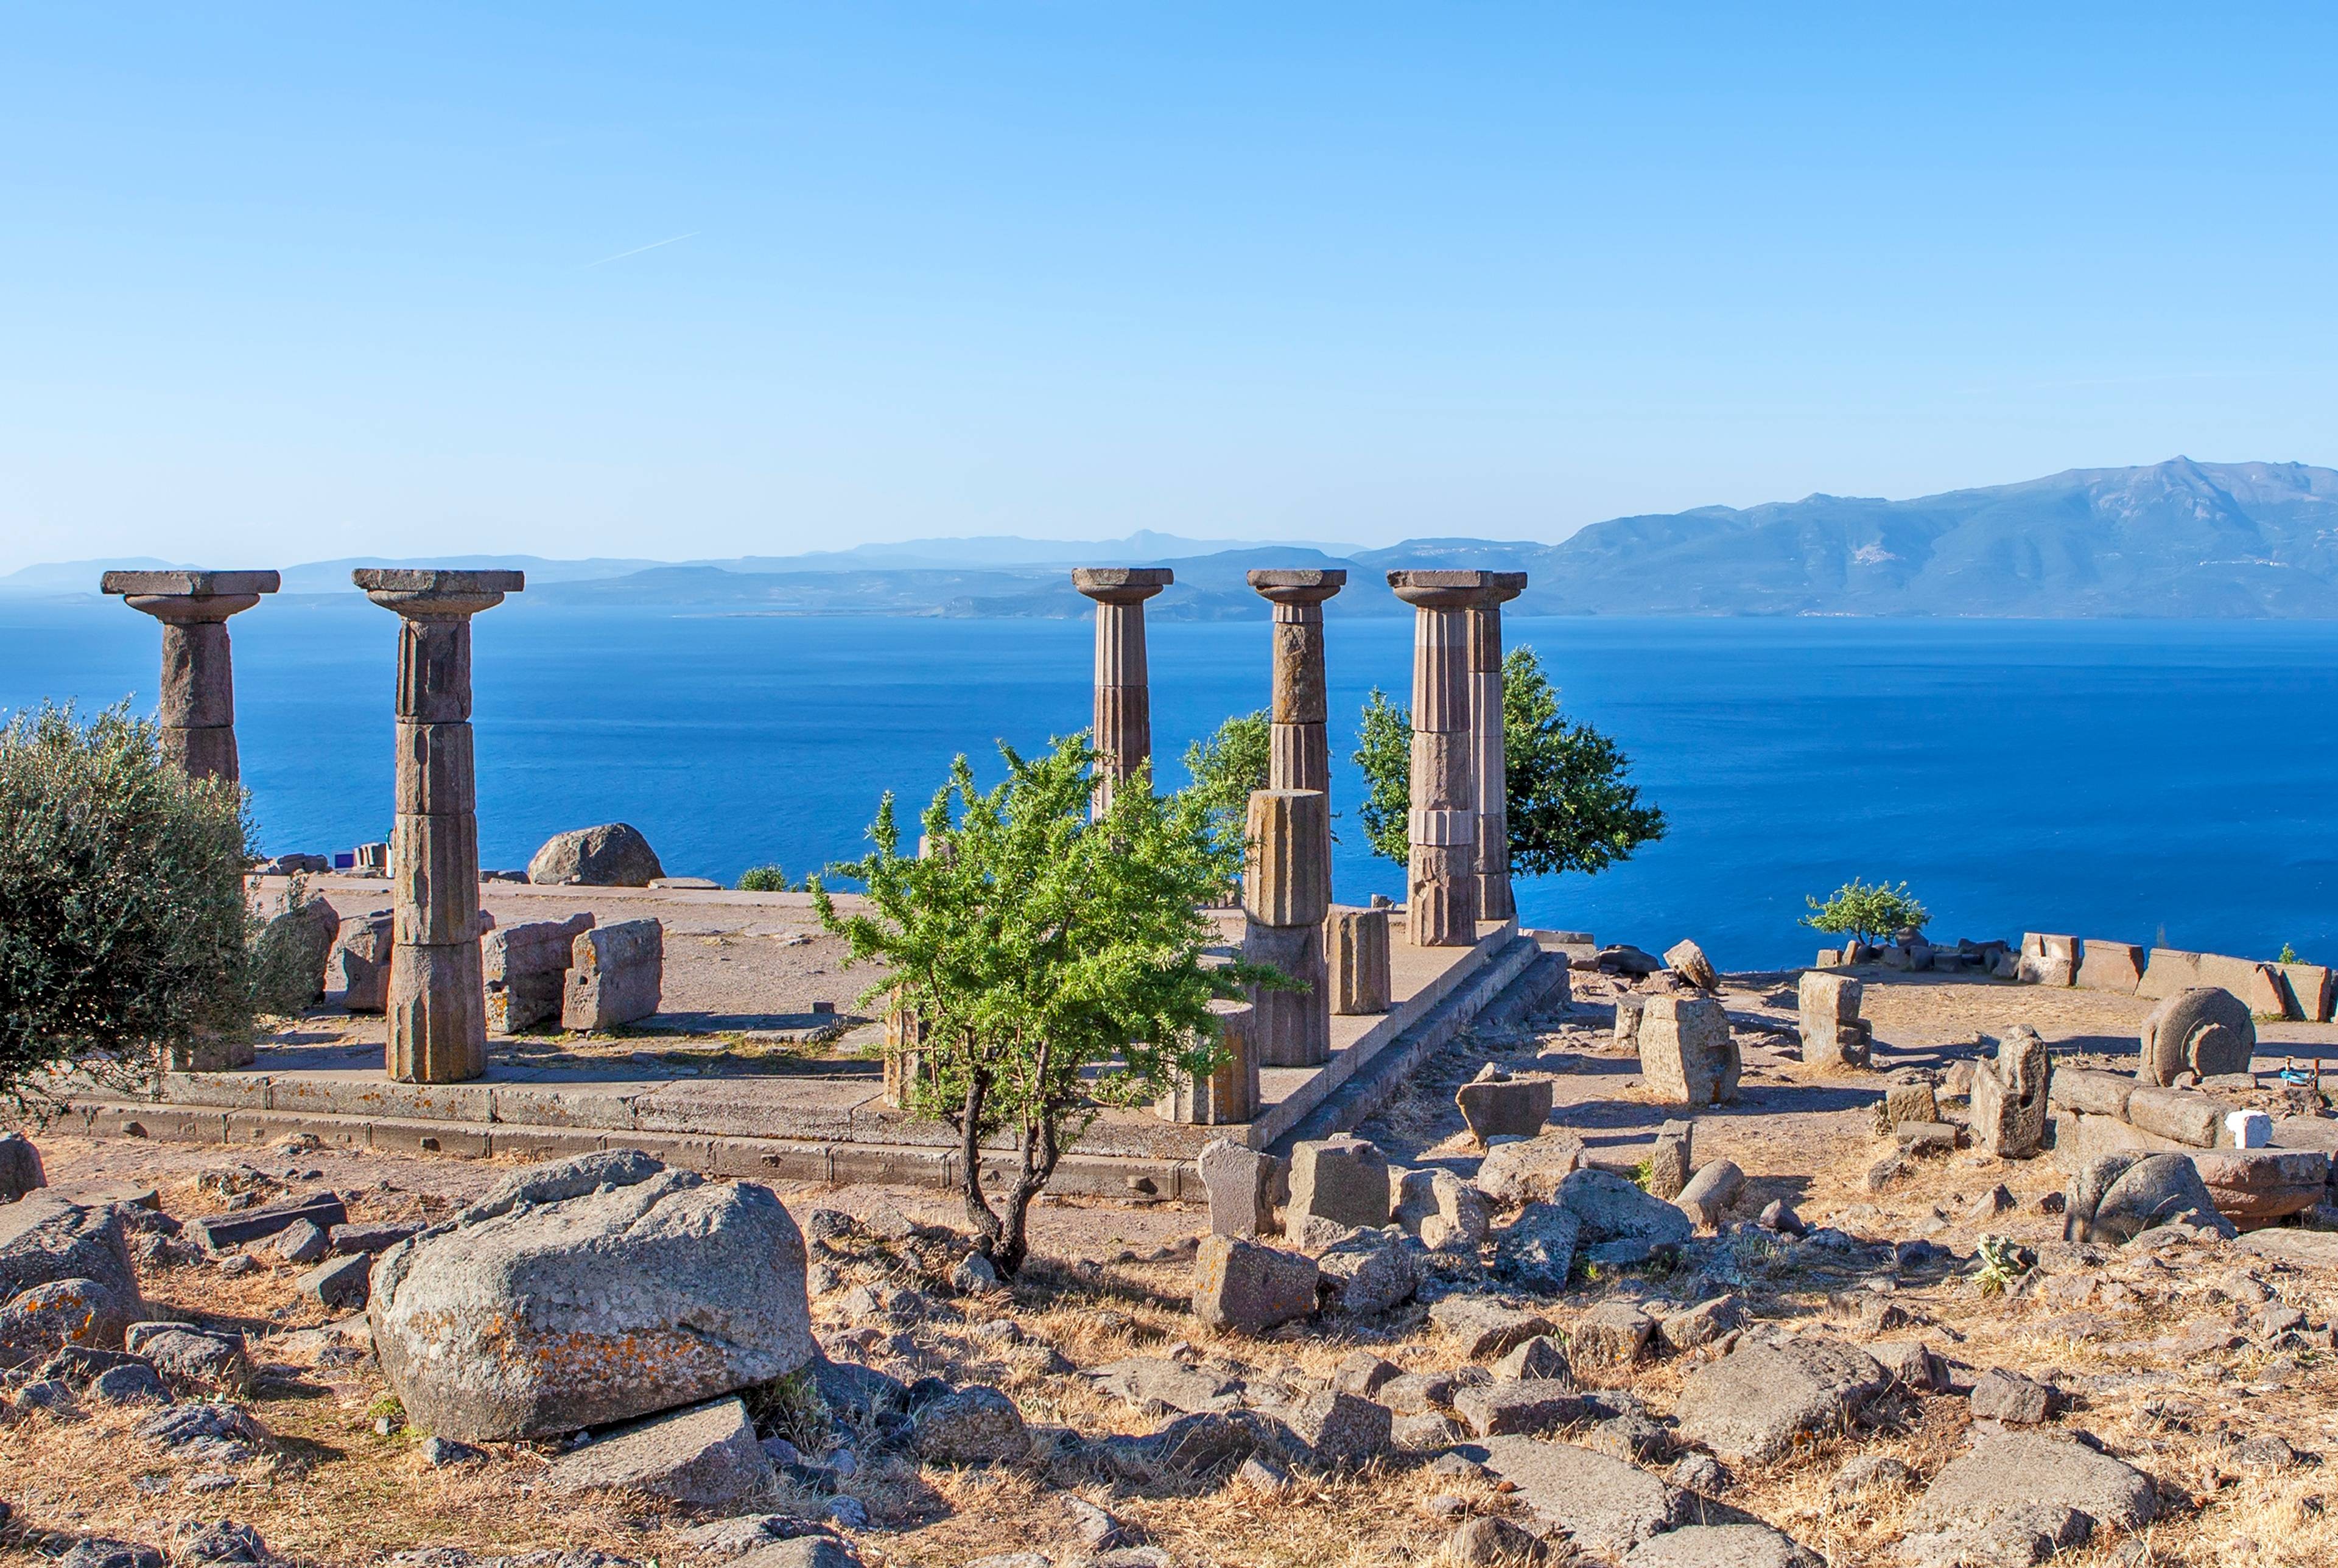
[(122, 923), (1572, 804), (1865, 911), (1054, 966)]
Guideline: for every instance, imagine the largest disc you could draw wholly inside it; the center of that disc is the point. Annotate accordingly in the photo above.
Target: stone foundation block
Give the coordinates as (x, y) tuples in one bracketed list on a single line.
[(2169, 972), (2110, 966), (2009, 1095), (525, 969), (1687, 1056), (1342, 1180), (359, 967), (614, 975), (2177, 1115)]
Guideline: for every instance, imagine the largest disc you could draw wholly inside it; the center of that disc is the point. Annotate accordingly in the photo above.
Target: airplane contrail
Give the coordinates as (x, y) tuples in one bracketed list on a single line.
[(637, 249)]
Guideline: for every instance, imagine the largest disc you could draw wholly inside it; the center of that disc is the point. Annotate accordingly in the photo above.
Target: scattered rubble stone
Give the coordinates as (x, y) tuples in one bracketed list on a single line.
[(1754, 1546), (1671, 1161), (2014, 1470), (1862, 1471), (1752, 1404), (45, 1240), (1339, 1431), (1342, 1180), (1240, 1181), (1527, 1405), (1494, 1103), (1489, 1541), (1536, 1249), (20, 1166), (1530, 1170), (1250, 1287), (1710, 1193), (1487, 1328), (1687, 1055), (1612, 1333), (1687, 960), (2008, 1397), (975, 1425), (706, 1455), (1540, 1357), (1604, 1505)]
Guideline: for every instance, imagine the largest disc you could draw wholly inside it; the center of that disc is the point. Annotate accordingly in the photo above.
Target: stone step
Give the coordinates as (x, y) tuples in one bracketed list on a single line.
[(1384, 1077)]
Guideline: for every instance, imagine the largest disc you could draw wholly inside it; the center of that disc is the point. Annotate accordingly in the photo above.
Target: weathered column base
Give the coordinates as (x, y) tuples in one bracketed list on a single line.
[(438, 1015), (1229, 1095), (1356, 960), (1290, 1028)]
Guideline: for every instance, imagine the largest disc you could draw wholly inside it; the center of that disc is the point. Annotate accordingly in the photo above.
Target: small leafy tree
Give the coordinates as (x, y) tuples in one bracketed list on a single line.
[(1055, 964), (1865, 913), (764, 879), (122, 922), (1227, 767), (1566, 786)]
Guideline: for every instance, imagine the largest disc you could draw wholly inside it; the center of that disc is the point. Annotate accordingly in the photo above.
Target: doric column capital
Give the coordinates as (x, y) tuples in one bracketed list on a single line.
[(1122, 585), (1453, 590), (1298, 585), (435, 592), (190, 598)]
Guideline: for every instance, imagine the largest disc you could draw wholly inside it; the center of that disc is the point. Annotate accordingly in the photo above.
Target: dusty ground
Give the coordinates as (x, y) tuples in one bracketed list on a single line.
[(2106, 1326)]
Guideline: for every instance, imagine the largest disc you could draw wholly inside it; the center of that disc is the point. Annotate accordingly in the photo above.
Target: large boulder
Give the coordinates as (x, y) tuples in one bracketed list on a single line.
[(613, 854), (45, 1240), (1752, 1405), (20, 1166), (590, 1290)]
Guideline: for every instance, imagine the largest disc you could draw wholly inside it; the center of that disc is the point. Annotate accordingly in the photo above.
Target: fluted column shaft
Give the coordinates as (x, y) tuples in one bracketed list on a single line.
[(1299, 751), (1489, 765), (437, 998), (1124, 702), (1285, 897), (1440, 875), (196, 708)]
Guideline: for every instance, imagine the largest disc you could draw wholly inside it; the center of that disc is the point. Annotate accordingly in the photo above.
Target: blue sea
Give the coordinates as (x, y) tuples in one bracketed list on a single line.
[(2149, 781)]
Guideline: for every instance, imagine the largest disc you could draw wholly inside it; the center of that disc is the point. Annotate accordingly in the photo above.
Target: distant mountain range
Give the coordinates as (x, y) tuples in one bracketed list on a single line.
[(2175, 539)]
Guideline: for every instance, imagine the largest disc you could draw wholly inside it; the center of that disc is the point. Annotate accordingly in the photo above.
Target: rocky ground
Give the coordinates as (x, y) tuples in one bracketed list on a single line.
[(1850, 1381)]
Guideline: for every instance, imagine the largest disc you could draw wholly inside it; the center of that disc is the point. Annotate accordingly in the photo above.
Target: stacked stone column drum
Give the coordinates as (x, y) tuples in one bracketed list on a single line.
[(1489, 765), (197, 707), (437, 998), (1229, 1094), (1286, 893), (1441, 878), (1124, 702), (1300, 752)]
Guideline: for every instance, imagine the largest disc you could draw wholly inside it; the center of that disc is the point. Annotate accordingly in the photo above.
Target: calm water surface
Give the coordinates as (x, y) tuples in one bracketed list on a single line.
[(2144, 780)]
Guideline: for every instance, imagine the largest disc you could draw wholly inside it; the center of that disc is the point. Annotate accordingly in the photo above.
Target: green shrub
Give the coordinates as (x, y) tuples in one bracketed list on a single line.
[(123, 920), (764, 879), (1564, 784), (1228, 766), (1864, 912)]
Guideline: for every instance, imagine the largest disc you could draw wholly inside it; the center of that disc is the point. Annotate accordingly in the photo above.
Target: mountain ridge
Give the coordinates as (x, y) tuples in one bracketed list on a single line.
[(2174, 539)]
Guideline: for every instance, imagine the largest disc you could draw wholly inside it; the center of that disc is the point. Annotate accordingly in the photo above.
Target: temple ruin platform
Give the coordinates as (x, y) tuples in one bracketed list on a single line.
[(760, 1067)]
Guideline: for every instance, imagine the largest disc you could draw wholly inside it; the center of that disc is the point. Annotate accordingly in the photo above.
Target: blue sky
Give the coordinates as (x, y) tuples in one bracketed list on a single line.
[(279, 284)]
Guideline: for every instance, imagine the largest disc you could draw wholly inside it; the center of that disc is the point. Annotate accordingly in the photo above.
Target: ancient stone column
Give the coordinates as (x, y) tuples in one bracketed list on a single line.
[(1441, 878), (1301, 758), (1229, 1095), (1123, 704), (1284, 901), (1491, 861), (437, 996), (197, 701)]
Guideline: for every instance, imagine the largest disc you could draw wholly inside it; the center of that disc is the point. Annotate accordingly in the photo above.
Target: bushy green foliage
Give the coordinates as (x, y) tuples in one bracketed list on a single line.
[(764, 879), (1866, 912), (1055, 964), (1226, 768), (122, 922), (1571, 805)]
